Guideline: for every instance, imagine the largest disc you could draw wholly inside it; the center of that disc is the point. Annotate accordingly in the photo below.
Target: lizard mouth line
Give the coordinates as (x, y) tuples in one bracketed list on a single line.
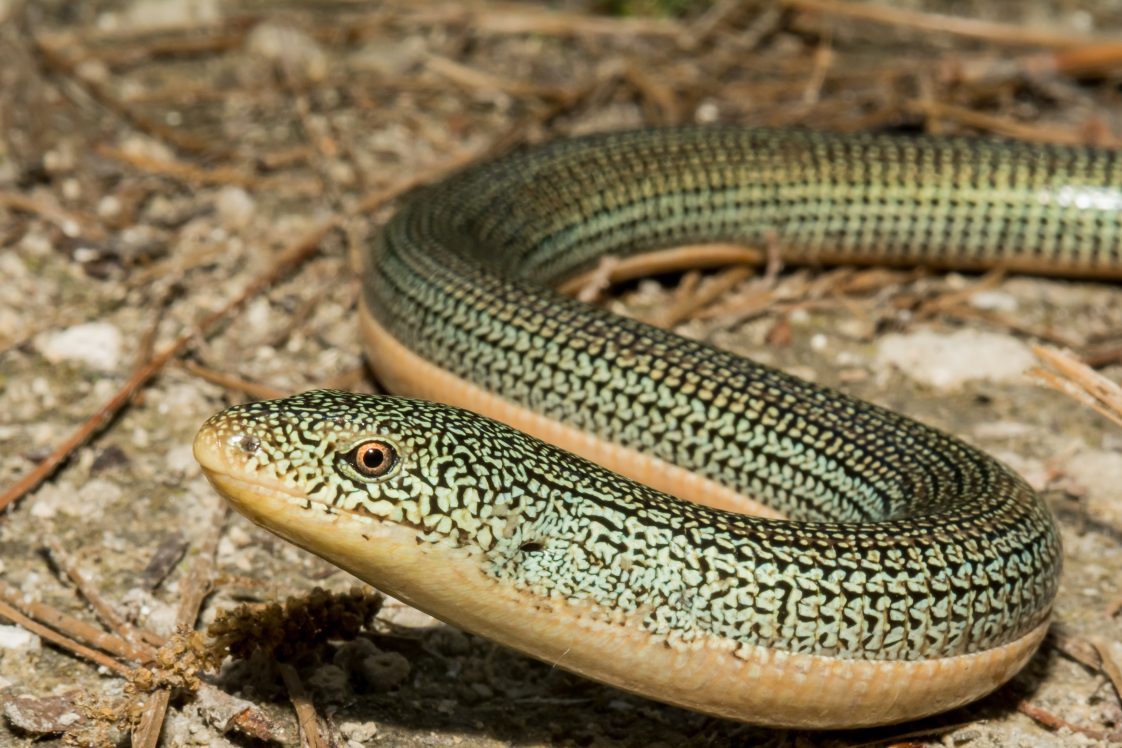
[(250, 495)]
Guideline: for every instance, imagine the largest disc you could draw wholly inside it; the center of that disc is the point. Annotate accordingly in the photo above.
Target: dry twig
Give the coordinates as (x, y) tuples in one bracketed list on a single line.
[(693, 257), (973, 28), (1052, 722), (1008, 127), (1111, 654), (183, 171), (503, 18), (108, 615), (310, 732), (233, 382), (46, 207), (72, 628), (705, 294), (1079, 382), (196, 587), (472, 78), (13, 615)]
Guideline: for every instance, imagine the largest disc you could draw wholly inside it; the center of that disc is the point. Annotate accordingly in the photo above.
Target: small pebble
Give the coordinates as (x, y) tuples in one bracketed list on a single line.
[(993, 301), (95, 344), (235, 207), (291, 49), (1099, 473), (180, 460), (147, 14), (707, 112), (947, 361), (359, 732), (18, 638), (109, 207)]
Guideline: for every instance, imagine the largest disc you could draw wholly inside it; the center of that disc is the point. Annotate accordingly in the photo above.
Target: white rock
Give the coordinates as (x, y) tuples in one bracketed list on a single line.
[(290, 48), (17, 637), (109, 206), (180, 460), (1100, 473), (140, 438), (947, 361), (360, 732), (164, 13), (237, 535), (95, 344), (993, 301), (707, 112), (46, 502), (235, 207), (99, 493)]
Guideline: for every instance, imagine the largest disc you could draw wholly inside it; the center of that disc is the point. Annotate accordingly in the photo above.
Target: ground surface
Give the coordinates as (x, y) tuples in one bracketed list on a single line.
[(157, 156)]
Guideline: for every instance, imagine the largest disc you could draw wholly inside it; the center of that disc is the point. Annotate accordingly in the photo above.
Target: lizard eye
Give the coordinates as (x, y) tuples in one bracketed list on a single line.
[(372, 459)]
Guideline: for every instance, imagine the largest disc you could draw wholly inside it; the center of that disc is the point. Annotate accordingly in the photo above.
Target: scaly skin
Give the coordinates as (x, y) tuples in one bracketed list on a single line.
[(909, 558)]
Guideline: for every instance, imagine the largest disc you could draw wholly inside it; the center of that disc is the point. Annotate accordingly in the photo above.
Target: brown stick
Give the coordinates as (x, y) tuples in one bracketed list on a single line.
[(305, 710), (516, 19), (1079, 382), (181, 170), (233, 382), (469, 77), (1087, 60), (1006, 322), (1006, 127), (706, 294), (1111, 654), (292, 256), (48, 615), (973, 28), (104, 610), (147, 733), (954, 300), (65, 642), (69, 223), (1052, 722), (693, 257)]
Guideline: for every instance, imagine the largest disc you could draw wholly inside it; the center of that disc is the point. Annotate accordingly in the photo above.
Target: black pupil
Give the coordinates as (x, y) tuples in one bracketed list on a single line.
[(372, 458)]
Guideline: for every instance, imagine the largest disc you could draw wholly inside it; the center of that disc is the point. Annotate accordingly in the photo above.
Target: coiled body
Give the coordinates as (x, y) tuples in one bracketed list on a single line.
[(910, 572)]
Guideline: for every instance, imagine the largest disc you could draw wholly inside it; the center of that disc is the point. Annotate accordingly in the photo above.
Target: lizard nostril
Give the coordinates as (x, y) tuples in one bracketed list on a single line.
[(244, 442)]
